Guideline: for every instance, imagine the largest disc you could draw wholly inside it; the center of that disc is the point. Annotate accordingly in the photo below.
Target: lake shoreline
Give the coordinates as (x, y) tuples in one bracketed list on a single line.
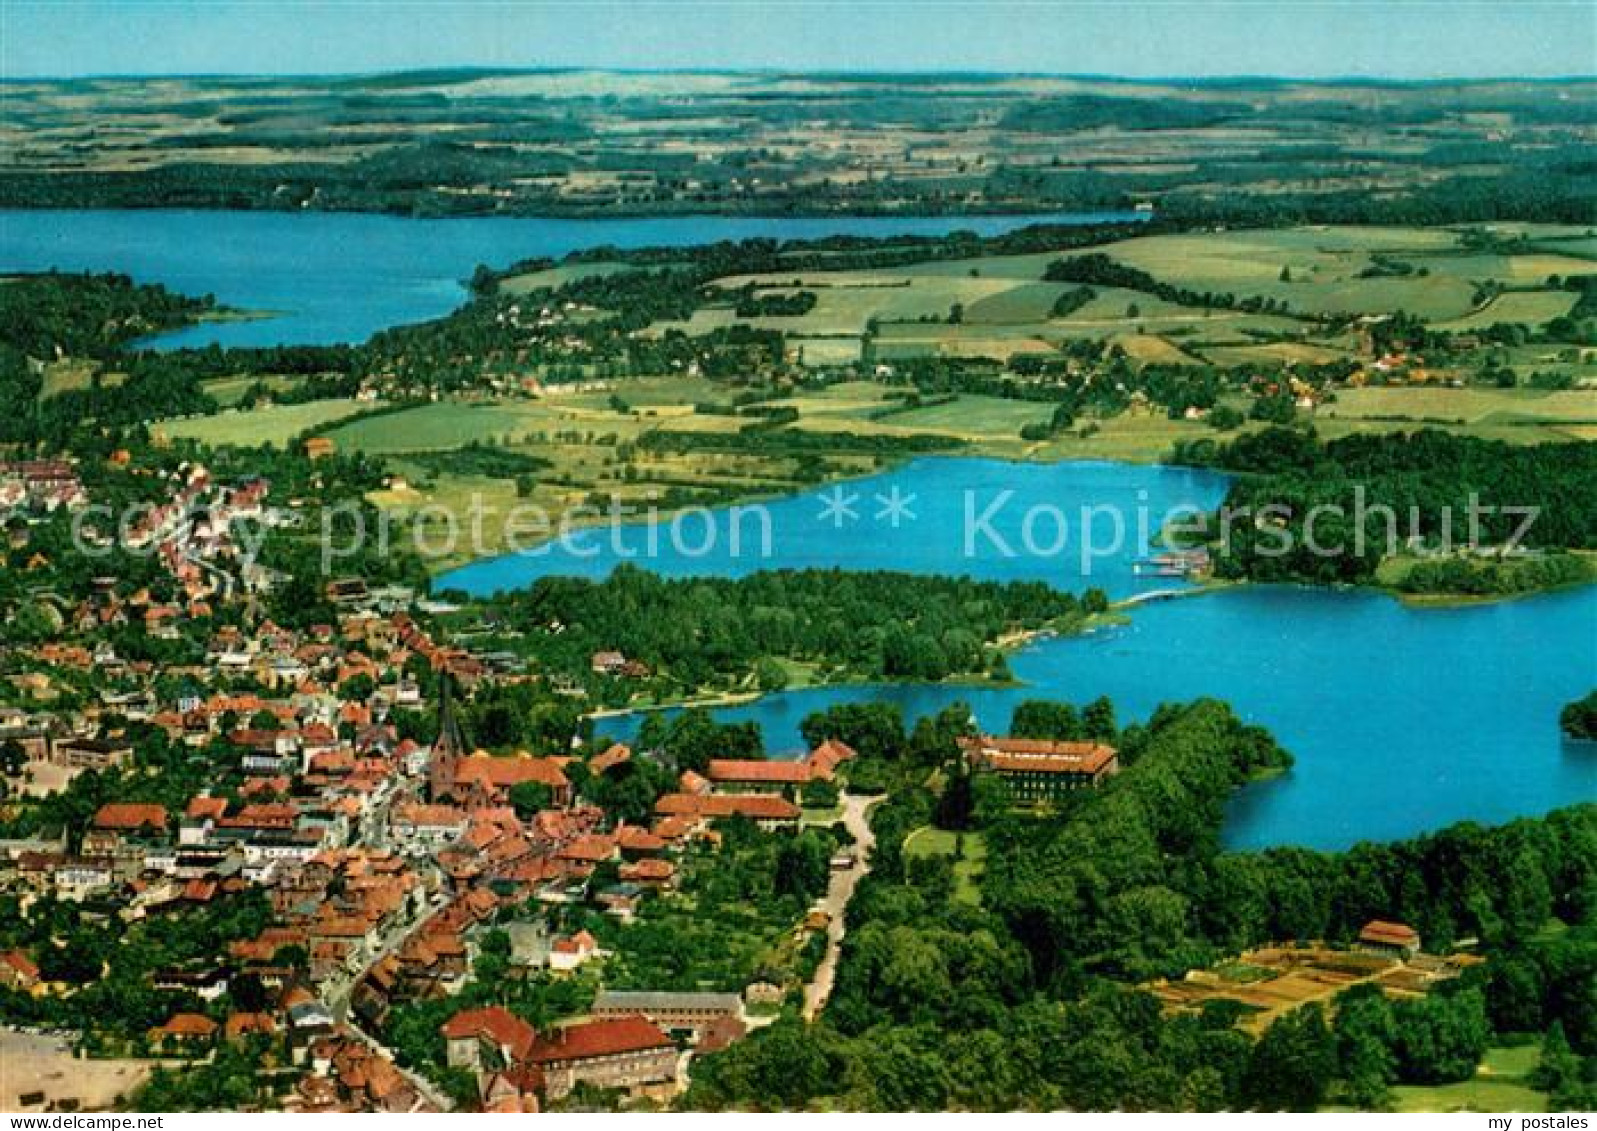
[(890, 465), (1414, 600)]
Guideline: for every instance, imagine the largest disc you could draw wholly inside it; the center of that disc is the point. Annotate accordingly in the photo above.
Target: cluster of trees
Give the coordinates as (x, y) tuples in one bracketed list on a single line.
[(1071, 301), (740, 901), (1369, 496), (1099, 270), (1579, 718), (1062, 722), (244, 1075), (764, 256), (1111, 889), (1492, 577), (704, 632), (774, 304)]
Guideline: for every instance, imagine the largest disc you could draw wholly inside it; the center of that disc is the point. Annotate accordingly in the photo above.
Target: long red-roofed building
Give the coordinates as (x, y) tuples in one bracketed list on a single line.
[(626, 1053), (1038, 769), (763, 808)]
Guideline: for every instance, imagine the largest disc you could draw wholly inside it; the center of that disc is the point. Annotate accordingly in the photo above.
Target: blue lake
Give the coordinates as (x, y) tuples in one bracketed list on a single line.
[(1402, 720), (1070, 524), (339, 277)]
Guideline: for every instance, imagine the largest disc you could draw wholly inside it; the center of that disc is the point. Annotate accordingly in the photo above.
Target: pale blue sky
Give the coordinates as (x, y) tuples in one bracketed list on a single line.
[(1392, 38)]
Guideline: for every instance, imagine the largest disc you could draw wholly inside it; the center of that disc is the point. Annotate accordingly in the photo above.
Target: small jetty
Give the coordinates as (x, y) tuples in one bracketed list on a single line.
[(1154, 595), (1174, 563)]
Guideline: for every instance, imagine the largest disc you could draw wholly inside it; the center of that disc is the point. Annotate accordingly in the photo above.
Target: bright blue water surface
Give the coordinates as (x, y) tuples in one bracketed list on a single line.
[(1070, 524), (1402, 720), (339, 277)]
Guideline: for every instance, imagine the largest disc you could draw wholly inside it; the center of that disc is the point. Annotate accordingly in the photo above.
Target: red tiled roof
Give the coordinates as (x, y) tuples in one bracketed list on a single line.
[(238, 1024), (200, 808), (21, 963), (829, 755), (502, 773), (754, 770), (1035, 755), (634, 838), (1390, 934), (613, 755), (756, 806), (671, 828), (188, 1025), (436, 816), (601, 1038), (651, 870), (592, 848), (127, 817), (493, 1023), (579, 943)]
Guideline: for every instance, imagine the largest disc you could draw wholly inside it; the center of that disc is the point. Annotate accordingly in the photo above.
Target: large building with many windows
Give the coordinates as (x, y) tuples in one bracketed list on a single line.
[(1037, 769)]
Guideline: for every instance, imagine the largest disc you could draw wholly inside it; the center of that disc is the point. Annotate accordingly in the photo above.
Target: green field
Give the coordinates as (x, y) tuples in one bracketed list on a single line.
[(71, 373), (928, 841), (1529, 307), (228, 391), (437, 427), (558, 276), (976, 417), (270, 425), (1499, 1085), (1006, 306), (1515, 415)]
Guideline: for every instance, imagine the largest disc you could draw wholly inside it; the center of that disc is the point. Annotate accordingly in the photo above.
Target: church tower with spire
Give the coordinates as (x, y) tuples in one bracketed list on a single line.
[(450, 746)]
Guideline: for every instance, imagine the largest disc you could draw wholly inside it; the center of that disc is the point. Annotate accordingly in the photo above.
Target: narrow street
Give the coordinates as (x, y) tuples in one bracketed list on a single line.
[(835, 902)]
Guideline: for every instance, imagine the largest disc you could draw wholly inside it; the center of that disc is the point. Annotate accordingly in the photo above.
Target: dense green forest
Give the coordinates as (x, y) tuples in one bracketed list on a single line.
[(1378, 494), (51, 316), (1027, 999), (699, 632), (54, 314)]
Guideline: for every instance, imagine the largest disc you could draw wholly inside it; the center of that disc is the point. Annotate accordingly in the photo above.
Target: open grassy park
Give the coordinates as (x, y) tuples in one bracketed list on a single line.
[(967, 850)]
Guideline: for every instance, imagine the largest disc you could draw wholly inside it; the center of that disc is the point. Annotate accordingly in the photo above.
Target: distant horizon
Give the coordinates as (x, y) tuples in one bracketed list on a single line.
[(487, 70), (1399, 41)]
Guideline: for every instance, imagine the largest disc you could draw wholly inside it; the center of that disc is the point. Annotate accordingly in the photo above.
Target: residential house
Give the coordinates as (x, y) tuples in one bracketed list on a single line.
[(569, 952), (184, 1033), (121, 827), (18, 971), (487, 1039)]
